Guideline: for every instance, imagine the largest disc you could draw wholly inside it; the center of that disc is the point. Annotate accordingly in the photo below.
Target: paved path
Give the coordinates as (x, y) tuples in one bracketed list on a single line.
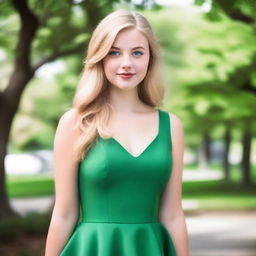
[(198, 175), (31, 204), (222, 234)]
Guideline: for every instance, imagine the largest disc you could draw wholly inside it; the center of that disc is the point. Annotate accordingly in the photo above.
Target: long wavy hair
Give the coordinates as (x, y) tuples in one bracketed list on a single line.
[(91, 99)]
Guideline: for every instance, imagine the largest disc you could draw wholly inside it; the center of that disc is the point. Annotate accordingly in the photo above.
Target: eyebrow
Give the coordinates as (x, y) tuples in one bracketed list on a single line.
[(137, 47)]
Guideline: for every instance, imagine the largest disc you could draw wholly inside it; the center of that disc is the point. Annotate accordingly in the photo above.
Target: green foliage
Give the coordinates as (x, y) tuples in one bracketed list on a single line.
[(36, 122), (199, 2), (11, 228), (51, 5), (9, 26), (248, 7), (241, 10)]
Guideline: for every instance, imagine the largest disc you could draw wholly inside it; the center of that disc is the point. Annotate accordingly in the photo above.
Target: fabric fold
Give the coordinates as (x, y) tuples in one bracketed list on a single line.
[(119, 239)]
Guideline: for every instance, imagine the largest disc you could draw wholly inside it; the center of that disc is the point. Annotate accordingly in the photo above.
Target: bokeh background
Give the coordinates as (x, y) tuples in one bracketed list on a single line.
[(209, 56)]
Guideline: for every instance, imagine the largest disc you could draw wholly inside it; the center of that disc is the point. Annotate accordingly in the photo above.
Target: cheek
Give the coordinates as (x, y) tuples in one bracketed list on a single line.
[(143, 65), (109, 66)]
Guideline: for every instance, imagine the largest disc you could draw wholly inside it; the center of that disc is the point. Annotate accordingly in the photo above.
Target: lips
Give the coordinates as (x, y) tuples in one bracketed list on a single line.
[(126, 75)]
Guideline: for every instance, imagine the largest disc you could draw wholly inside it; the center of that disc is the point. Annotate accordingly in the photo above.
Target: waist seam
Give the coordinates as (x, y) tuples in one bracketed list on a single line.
[(115, 222)]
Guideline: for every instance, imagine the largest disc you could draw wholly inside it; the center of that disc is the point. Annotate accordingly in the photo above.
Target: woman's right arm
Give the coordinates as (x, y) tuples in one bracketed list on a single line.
[(66, 208)]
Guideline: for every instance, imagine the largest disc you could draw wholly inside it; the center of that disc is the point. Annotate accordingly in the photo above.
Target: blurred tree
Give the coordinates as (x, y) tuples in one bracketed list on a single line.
[(34, 33), (242, 11), (202, 60)]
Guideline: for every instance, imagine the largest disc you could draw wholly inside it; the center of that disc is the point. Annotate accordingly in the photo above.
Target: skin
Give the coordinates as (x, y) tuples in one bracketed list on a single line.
[(127, 55), (134, 126)]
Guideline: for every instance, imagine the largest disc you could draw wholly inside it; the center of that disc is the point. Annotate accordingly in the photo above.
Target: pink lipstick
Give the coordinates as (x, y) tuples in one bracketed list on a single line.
[(126, 75)]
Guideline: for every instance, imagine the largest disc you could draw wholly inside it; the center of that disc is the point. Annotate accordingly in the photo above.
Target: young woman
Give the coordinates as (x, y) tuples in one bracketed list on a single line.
[(117, 155)]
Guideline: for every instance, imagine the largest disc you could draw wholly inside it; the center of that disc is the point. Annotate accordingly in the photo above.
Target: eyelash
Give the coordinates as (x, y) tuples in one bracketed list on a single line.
[(110, 53)]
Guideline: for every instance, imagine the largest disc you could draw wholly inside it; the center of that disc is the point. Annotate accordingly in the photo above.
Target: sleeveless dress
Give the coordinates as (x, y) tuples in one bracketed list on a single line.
[(120, 198)]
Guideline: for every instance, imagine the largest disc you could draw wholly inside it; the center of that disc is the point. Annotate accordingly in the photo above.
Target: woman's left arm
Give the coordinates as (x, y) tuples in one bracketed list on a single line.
[(171, 213)]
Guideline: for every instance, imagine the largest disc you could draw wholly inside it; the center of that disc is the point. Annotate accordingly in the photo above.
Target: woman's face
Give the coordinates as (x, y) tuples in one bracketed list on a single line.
[(126, 64)]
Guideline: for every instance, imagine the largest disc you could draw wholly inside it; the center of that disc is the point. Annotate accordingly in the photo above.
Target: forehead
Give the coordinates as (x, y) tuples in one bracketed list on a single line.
[(129, 38)]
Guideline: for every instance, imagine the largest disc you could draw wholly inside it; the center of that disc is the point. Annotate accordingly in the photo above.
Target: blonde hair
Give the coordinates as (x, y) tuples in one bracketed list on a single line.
[(91, 99)]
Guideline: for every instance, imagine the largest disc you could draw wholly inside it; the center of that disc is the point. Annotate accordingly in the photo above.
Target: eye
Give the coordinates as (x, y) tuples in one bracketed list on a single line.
[(113, 53), (138, 53)]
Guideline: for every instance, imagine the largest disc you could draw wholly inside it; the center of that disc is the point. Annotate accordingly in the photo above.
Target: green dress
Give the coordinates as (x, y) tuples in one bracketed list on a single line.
[(120, 198)]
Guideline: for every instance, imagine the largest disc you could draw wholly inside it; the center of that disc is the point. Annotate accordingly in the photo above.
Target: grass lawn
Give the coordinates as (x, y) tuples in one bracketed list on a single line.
[(210, 195), (30, 186), (220, 195)]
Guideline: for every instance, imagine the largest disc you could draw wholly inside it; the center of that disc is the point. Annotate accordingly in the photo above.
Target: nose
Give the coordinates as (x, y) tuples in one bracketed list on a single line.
[(126, 61)]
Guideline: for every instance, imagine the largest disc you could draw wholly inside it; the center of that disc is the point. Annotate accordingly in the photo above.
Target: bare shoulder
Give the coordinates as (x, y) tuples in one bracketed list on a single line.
[(65, 132), (175, 121), (69, 117), (67, 122), (177, 130)]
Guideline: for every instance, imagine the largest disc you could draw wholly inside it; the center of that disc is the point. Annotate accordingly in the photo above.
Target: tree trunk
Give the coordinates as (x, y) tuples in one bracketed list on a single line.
[(203, 153), (226, 165), (206, 142), (9, 103), (245, 164), (5, 209)]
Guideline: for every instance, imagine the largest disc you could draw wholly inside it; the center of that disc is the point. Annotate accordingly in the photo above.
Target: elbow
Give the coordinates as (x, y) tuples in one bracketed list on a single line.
[(65, 217), (171, 216)]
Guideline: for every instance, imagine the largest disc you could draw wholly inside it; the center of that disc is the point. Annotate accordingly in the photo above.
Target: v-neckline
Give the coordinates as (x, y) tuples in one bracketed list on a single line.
[(148, 145)]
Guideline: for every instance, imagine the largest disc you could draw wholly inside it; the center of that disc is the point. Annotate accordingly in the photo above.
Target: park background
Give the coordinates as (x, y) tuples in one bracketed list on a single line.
[(209, 60)]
